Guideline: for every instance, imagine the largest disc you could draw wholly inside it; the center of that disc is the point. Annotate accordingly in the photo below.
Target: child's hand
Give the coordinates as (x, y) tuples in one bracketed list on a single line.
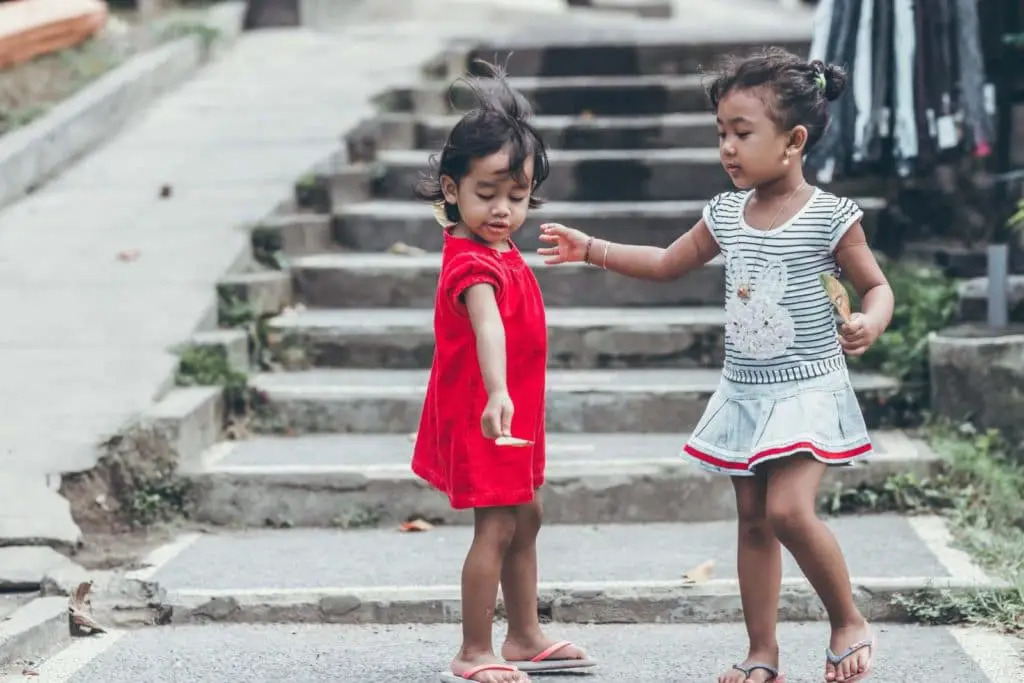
[(858, 335), (570, 245), (497, 418)]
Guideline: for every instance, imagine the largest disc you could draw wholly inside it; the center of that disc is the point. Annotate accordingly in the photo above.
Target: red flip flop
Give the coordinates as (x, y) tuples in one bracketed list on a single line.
[(544, 662)]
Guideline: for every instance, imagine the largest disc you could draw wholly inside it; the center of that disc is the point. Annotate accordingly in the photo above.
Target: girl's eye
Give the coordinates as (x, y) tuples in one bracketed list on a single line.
[(721, 135), (485, 197), (742, 136), (518, 199)]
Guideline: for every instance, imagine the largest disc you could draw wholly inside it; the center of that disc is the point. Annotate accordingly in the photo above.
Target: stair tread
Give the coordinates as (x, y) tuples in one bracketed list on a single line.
[(389, 454), (565, 82), (366, 319), (702, 155), (542, 121), (887, 547), (432, 259), (371, 382)]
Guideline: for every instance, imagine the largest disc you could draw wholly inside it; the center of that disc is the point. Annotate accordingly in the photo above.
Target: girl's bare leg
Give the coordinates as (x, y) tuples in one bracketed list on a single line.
[(519, 591), (792, 489), (493, 531), (759, 561)]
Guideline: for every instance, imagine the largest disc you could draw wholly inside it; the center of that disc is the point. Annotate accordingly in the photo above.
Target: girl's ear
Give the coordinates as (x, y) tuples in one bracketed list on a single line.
[(797, 140), (449, 189)]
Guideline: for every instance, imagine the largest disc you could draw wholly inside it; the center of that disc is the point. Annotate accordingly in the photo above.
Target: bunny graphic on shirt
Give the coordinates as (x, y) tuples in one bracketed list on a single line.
[(755, 321)]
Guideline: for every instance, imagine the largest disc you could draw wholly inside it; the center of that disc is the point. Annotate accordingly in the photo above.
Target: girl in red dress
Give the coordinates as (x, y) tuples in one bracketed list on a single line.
[(488, 379)]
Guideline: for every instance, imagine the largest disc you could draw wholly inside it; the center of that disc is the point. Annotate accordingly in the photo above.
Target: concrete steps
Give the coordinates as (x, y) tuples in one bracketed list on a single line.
[(599, 175), (594, 95), (578, 401), (363, 480), (656, 131), (383, 576), (377, 225), (361, 280), (578, 338)]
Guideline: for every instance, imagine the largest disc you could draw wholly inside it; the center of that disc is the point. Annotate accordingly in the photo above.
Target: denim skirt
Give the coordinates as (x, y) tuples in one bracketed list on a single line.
[(745, 425)]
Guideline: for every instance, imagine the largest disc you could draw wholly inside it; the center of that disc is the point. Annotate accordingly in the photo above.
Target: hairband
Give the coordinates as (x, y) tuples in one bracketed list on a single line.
[(821, 81)]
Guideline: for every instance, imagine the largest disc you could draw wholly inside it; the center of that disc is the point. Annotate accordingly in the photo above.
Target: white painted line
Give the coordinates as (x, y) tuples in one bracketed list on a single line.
[(217, 453), (590, 467), (63, 666), (996, 655), (934, 533), (157, 559)]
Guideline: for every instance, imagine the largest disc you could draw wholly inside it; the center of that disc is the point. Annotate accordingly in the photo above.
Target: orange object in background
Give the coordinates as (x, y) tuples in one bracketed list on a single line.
[(31, 28)]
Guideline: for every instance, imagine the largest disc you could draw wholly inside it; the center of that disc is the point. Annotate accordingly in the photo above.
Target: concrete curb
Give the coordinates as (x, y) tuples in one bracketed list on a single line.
[(38, 628), (716, 601), (31, 155), (580, 492)]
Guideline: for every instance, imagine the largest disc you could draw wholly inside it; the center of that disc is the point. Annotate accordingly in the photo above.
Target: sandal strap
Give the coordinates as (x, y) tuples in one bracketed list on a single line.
[(836, 660), (751, 668), (469, 673)]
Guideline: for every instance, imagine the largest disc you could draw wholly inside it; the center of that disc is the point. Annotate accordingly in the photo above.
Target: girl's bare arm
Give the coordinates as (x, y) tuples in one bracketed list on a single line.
[(482, 306), (877, 301)]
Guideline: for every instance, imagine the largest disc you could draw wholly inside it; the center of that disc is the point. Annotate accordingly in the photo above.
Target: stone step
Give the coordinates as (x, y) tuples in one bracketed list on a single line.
[(669, 49), (578, 338), (575, 96), (409, 281), (364, 480), (315, 653), (377, 225), (410, 131), (383, 576), (601, 175), (578, 401)]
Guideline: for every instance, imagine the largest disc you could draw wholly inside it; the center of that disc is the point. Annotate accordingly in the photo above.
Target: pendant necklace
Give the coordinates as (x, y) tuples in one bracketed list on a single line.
[(743, 291)]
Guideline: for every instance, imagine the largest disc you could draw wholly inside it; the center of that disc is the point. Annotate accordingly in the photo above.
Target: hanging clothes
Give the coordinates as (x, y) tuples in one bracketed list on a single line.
[(918, 94)]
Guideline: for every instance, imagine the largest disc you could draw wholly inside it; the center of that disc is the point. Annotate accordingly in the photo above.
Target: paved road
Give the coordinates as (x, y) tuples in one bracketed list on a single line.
[(310, 654)]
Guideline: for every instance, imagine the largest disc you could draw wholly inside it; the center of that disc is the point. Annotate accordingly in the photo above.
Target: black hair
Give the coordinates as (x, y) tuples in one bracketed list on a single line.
[(501, 118), (800, 90)]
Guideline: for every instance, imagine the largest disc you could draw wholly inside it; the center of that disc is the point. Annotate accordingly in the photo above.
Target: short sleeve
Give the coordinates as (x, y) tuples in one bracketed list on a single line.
[(710, 216), (467, 269), (845, 216)]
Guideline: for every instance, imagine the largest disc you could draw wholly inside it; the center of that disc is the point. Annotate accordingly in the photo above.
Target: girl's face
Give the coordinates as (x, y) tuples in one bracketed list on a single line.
[(492, 203), (752, 148)]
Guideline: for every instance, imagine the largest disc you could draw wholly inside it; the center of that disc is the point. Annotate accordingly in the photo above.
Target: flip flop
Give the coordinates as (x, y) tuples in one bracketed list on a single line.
[(544, 662), (835, 660), (751, 668), (451, 677)]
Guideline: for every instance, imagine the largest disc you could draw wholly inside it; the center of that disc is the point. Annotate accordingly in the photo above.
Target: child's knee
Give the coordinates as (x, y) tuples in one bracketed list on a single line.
[(496, 526), (788, 518)]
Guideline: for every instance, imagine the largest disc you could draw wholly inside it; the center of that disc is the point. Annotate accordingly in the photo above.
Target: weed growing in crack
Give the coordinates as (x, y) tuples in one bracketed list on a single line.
[(979, 492)]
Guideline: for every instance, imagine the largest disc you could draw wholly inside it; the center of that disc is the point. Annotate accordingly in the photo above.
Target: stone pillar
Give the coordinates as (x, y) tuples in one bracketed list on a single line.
[(977, 374)]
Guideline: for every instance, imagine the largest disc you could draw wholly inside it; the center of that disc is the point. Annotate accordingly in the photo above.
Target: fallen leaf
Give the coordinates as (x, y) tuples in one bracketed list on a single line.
[(29, 672), (586, 115), (416, 525), (166, 191), (700, 574), (129, 255)]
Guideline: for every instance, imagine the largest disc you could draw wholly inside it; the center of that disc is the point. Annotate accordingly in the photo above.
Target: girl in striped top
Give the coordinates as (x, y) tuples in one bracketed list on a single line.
[(785, 409)]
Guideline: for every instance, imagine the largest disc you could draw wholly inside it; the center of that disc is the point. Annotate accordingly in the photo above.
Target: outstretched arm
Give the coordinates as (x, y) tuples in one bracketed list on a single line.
[(693, 249), (877, 301), (482, 306)]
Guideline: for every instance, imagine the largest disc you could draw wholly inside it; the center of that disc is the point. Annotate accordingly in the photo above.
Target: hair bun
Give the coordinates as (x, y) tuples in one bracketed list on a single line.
[(834, 77)]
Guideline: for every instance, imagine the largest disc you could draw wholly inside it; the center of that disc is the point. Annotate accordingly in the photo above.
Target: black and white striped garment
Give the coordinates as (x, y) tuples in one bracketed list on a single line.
[(780, 323)]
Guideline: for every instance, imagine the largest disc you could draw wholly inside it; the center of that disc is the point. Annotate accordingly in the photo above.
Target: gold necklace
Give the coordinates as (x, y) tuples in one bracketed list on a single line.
[(743, 290)]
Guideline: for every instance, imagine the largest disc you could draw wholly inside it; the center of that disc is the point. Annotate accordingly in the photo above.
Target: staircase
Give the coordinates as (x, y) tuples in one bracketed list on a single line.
[(304, 513)]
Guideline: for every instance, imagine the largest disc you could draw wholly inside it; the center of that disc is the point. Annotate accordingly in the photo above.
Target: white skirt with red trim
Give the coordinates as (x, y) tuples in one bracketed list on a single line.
[(745, 425)]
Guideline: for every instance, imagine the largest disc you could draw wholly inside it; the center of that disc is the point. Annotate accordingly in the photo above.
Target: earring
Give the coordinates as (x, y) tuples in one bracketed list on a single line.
[(785, 159)]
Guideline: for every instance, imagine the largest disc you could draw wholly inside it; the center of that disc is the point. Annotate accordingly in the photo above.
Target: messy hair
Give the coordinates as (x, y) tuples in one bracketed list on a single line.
[(797, 92), (501, 119)]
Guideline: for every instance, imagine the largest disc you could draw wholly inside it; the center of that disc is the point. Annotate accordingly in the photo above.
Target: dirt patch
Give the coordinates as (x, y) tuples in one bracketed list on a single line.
[(104, 551), (29, 90)]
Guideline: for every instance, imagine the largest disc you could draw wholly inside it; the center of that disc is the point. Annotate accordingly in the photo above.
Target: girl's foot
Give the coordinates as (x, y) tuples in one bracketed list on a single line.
[(525, 649), (855, 642), (464, 667), (756, 668)]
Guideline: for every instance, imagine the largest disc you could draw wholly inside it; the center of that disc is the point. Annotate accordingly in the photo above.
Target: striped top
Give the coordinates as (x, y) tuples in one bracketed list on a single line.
[(780, 324)]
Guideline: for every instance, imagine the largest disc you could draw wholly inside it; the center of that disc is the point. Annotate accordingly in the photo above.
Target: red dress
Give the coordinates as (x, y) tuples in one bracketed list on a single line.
[(451, 452)]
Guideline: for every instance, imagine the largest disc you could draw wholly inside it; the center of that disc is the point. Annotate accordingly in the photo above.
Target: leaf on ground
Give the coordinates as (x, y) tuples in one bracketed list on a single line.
[(129, 255), (416, 525), (586, 115), (403, 249), (701, 573)]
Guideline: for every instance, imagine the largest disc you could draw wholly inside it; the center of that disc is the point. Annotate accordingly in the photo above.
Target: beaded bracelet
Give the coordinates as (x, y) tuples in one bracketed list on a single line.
[(586, 254)]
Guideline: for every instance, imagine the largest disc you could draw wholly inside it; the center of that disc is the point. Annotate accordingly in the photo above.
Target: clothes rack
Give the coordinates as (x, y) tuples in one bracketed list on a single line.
[(918, 91)]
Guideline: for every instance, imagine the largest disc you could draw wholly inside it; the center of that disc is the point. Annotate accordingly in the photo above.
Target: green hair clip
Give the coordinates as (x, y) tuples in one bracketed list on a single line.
[(821, 81)]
